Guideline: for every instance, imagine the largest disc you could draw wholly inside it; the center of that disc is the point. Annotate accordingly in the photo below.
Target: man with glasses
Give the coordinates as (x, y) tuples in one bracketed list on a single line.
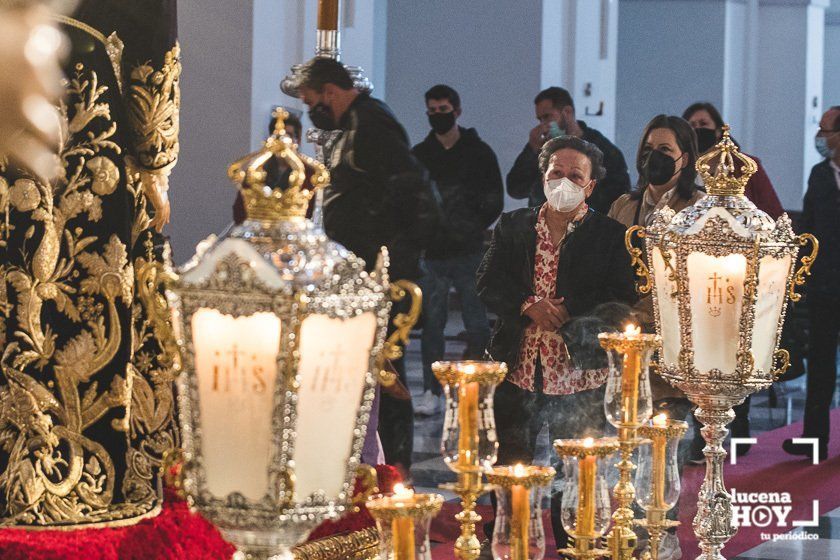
[(820, 216), (470, 184)]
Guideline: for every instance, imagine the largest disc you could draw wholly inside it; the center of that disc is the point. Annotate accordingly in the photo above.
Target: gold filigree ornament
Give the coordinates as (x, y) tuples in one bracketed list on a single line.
[(262, 203), (66, 431), (723, 273), (308, 323), (154, 101)]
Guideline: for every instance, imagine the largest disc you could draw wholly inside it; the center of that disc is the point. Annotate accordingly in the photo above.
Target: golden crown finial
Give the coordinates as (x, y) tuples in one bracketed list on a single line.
[(267, 204), (725, 180)]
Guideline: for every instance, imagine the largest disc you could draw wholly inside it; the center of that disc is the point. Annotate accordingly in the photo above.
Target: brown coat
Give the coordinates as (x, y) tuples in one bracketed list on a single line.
[(624, 210)]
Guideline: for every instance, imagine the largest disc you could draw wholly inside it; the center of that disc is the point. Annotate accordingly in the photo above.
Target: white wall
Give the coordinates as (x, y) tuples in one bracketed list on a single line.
[(579, 44), (831, 68), (488, 51), (216, 87), (790, 87), (670, 54)]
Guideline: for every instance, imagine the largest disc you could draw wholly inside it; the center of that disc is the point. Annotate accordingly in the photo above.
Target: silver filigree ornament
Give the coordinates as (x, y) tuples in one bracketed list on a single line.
[(721, 273), (279, 263)]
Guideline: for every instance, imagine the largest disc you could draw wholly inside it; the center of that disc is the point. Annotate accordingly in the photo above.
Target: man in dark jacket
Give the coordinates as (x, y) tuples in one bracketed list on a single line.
[(555, 111), (470, 184), (378, 195), (820, 216)]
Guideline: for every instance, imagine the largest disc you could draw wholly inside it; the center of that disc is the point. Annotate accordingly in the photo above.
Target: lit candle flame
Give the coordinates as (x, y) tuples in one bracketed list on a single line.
[(588, 442), (519, 470), (660, 420), (400, 491), (632, 330), (469, 369)]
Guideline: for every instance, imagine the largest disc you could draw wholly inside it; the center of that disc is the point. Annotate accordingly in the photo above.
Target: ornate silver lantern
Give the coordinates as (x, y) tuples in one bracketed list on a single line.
[(283, 332), (721, 273)]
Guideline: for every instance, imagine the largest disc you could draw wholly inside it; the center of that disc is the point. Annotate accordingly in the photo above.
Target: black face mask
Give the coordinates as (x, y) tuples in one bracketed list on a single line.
[(658, 168), (322, 117), (442, 122), (706, 138)]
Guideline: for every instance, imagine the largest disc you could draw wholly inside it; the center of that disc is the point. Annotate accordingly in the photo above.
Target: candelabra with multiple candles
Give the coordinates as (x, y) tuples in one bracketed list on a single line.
[(469, 448)]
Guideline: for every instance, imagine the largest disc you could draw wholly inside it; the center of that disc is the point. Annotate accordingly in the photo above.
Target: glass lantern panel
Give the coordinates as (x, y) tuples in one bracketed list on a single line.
[(669, 322), (772, 280), (657, 475), (469, 405), (628, 400), (512, 522), (335, 359), (405, 537), (716, 288), (236, 369), (595, 496)]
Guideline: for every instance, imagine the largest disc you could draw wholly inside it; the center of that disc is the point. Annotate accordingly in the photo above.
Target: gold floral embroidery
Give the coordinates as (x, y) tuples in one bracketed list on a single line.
[(24, 195), (52, 393), (106, 175), (154, 100)]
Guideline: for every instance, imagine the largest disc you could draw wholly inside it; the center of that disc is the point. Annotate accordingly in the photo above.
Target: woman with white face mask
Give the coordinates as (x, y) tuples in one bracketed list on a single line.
[(545, 267)]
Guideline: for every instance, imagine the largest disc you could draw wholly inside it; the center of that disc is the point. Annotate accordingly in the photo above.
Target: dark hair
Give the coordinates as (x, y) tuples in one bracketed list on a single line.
[(292, 120), (558, 96), (837, 118), (320, 71), (686, 140), (596, 157), (704, 106), (442, 91)]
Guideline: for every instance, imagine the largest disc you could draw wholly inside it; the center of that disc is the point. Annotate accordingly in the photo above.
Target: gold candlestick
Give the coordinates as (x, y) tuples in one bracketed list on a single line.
[(469, 438), (661, 431), (398, 517), (519, 480), (633, 388), (588, 527)]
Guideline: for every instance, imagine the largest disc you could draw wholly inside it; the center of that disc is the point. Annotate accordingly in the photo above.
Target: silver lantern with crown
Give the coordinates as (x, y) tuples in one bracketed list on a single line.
[(283, 332), (721, 273)]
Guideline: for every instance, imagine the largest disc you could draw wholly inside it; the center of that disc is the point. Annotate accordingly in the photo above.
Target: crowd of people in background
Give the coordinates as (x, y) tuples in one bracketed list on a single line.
[(550, 269)]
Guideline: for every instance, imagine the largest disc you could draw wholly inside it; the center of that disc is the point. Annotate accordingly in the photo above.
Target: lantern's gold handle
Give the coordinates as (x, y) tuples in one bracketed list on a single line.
[(637, 262), (807, 263), (172, 470), (403, 323), (366, 475), (781, 357)]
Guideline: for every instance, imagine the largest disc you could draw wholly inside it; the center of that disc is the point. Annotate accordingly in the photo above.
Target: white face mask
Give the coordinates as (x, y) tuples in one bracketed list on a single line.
[(564, 195)]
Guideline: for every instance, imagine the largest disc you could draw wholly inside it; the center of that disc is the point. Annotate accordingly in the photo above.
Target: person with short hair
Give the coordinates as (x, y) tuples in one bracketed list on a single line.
[(545, 267), (379, 195), (820, 217), (468, 178), (555, 111)]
